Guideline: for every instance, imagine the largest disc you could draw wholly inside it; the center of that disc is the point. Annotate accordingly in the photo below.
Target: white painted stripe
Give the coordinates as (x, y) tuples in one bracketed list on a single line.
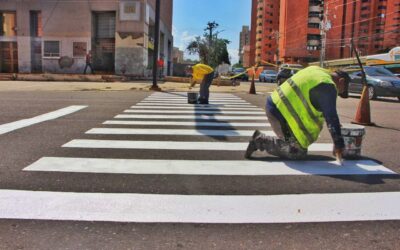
[(154, 208), (184, 94), (198, 105), (197, 112), (191, 132), (192, 117), (176, 145), (205, 124), (185, 101), (194, 108), (195, 167), (8, 127)]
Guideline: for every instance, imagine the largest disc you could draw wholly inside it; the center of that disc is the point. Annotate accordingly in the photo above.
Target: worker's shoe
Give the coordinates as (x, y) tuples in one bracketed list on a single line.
[(252, 147), (203, 101)]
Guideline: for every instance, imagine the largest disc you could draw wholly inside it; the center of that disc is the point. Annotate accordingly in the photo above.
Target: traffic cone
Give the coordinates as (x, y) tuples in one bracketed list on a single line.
[(363, 115), (252, 90)]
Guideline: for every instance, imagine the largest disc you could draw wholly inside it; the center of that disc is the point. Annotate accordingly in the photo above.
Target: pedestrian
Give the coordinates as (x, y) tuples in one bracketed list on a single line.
[(160, 65), (89, 62), (203, 74), (297, 110)]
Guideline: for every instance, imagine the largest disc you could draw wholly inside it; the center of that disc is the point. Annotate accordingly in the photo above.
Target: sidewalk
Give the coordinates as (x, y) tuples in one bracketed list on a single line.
[(122, 86)]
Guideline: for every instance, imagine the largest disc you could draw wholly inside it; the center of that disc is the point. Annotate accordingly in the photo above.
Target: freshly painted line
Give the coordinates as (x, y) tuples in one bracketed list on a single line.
[(191, 132), (198, 105), (195, 167), (194, 108), (184, 94), (8, 127), (176, 145), (197, 112), (156, 208), (194, 124), (185, 101), (192, 117)]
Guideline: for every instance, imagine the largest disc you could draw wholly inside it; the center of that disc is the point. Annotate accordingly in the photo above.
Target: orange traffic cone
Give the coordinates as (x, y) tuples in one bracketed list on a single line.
[(363, 115)]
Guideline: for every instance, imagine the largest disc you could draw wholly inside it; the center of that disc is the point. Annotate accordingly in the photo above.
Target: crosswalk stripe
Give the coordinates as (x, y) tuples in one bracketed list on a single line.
[(189, 132), (185, 101), (192, 117), (204, 124), (195, 167), (198, 105), (194, 108), (9, 127), (176, 145), (157, 208), (198, 112)]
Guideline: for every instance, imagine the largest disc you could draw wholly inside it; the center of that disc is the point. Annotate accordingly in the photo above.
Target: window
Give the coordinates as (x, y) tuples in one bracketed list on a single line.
[(51, 49), (313, 25), (79, 49), (36, 24), (381, 7), (7, 24)]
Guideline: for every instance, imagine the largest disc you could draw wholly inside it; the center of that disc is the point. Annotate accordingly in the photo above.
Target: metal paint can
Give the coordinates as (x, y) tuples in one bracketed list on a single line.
[(353, 136), (192, 97)]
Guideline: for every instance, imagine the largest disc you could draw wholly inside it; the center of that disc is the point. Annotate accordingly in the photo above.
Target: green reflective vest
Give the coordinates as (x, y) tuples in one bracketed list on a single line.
[(292, 99)]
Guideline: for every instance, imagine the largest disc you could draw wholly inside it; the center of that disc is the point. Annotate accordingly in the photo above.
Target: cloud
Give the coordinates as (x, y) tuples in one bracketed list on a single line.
[(182, 40), (233, 55)]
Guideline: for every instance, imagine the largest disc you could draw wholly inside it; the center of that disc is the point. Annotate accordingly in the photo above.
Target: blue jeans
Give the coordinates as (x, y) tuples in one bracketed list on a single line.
[(205, 86)]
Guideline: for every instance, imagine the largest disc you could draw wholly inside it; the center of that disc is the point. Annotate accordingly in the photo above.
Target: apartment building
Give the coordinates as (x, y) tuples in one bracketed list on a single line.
[(55, 36), (372, 24), (244, 39), (265, 30)]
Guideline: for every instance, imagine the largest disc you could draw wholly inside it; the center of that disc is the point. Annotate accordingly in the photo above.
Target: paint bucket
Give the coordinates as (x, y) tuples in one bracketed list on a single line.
[(192, 97), (353, 136)]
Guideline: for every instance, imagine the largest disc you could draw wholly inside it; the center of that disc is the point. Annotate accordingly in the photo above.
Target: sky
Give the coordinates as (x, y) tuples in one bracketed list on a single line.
[(191, 18)]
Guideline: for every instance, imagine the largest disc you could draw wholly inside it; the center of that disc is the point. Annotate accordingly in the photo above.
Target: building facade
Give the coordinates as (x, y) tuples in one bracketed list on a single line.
[(372, 24), (244, 39), (265, 31), (56, 36)]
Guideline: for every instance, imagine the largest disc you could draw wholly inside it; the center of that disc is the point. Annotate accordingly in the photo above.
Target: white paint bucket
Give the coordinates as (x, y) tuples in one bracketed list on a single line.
[(353, 136), (192, 97)]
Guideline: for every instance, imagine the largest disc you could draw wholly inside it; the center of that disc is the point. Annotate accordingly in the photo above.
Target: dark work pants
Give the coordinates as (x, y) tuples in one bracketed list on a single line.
[(90, 66), (205, 86)]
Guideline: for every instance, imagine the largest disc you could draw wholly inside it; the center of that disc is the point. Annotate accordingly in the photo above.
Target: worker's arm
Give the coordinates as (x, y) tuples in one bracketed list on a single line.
[(323, 98)]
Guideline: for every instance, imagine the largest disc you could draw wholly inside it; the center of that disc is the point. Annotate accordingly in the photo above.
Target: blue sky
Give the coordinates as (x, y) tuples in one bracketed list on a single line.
[(191, 17)]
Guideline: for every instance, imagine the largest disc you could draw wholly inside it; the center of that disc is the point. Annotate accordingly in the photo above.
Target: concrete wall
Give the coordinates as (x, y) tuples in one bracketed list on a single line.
[(70, 22)]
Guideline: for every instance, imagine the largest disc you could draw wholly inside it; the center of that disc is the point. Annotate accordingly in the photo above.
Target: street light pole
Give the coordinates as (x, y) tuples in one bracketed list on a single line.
[(156, 45)]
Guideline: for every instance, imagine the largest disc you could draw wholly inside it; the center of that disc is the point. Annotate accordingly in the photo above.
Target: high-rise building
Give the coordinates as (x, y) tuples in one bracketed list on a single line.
[(264, 30), (244, 40), (299, 33), (372, 24)]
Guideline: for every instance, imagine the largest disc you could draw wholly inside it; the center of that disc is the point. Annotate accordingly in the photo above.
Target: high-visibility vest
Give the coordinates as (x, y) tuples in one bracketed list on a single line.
[(292, 99)]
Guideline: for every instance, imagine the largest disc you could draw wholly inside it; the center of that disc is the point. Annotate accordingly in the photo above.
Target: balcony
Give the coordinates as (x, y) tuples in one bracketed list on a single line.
[(313, 43), (314, 8), (314, 20)]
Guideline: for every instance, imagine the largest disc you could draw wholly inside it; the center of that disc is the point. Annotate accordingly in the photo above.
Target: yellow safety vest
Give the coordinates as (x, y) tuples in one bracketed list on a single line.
[(292, 99), (200, 70)]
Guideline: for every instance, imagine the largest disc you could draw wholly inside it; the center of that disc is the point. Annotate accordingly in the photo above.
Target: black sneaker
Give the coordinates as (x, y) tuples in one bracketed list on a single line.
[(256, 134), (203, 101), (250, 149)]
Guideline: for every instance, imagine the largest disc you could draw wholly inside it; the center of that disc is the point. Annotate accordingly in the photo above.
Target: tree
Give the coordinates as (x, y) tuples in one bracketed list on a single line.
[(211, 49)]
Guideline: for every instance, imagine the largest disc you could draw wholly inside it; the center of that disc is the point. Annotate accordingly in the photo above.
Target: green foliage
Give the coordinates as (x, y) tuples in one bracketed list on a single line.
[(211, 50)]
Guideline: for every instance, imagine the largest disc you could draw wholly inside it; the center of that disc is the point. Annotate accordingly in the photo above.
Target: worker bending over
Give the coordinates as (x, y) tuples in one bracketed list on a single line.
[(296, 111), (204, 74)]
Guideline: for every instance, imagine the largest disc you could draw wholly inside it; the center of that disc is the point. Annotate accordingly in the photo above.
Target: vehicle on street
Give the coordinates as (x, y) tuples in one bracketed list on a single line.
[(381, 82), (237, 71), (268, 76), (286, 71)]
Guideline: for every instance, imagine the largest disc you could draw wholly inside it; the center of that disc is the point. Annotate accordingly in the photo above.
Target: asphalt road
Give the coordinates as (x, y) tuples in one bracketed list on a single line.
[(25, 146)]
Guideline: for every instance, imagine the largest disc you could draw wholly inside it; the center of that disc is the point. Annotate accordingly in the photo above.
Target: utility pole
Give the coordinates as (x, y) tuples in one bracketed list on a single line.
[(156, 44), (210, 28), (277, 37), (325, 26)]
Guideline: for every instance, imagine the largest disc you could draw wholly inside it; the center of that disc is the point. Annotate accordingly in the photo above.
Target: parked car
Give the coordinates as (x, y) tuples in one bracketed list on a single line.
[(286, 71), (381, 82), (268, 76), (243, 77)]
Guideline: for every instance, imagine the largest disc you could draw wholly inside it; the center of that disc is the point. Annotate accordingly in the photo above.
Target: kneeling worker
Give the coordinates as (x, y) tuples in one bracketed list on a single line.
[(297, 110), (204, 74)]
